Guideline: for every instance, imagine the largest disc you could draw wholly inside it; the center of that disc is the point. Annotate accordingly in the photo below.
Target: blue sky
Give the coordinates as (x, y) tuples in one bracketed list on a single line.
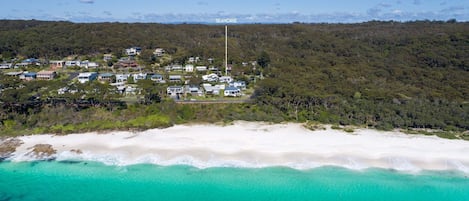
[(245, 11)]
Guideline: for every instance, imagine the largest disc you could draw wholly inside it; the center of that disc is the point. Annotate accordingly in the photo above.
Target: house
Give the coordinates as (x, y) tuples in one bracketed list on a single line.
[(232, 92), (175, 78), (122, 77), (56, 64), (189, 68), (130, 90), (28, 76), (210, 78), (193, 59), (6, 65), (211, 90), (22, 64), (14, 74), (158, 78), (176, 68), (88, 64), (194, 90), (225, 79), (127, 63), (32, 61), (46, 75), (238, 84), (159, 52), (72, 63), (133, 51), (201, 68), (86, 77), (105, 77), (139, 76), (107, 57), (213, 69), (175, 90)]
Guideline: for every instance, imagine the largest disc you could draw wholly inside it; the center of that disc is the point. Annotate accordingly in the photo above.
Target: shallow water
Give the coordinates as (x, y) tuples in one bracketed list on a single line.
[(77, 180)]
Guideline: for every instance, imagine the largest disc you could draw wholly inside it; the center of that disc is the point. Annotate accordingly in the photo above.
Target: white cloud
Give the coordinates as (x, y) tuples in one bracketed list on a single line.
[(87, 1)]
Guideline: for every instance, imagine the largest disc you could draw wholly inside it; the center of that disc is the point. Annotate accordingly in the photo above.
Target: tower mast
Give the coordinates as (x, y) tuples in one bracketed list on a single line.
[(226, 50)]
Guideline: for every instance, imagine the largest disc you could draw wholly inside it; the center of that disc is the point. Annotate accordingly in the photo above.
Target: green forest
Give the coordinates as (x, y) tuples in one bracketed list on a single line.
[(377, 74)]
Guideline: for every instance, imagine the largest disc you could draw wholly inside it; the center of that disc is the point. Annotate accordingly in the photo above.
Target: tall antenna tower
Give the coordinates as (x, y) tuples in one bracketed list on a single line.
[(226, 21), (226, 50)]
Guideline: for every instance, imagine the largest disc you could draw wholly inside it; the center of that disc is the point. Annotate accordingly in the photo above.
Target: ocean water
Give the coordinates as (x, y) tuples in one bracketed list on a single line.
[(76, 180)]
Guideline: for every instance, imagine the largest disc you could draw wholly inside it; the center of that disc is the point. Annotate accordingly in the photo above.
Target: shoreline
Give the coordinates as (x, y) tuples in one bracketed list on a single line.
[(254, 145)]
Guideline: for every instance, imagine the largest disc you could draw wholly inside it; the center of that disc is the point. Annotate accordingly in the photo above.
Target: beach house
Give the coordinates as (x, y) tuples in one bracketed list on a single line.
[(46, 75), (86, 77)]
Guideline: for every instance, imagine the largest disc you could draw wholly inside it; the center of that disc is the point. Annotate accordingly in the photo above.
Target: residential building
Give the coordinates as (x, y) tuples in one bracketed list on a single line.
[(86, 77), (238, 84), (159, 52), (133, 51), (139, 76), (72, 63), (157, 78), (46, 75), (122, 77), (189, 68), (201, 68), (175, 90), (107, 57), (212, 90), (32, 61), (28, 76), (126, 63), (6, 65), (14, 74), (225, 79), (176, 68), (232, 92), (210, 78), (175, 78), (105, 77), (54, 65)]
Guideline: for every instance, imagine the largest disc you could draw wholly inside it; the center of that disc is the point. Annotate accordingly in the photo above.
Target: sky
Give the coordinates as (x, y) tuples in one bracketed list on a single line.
[(240, 11)]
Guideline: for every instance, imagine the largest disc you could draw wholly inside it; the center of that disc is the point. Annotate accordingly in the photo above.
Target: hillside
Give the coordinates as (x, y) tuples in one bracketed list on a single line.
[(380, 74)]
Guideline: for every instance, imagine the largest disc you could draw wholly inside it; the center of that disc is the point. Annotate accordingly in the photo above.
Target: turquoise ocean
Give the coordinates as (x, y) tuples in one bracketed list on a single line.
[(79, 180)]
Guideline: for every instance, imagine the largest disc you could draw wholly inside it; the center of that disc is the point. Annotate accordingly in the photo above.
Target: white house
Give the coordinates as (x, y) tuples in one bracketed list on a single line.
[(210, 77), (174, 90), (232, 92), (139, 76), (86, 77), (189, 68), (175, 78), (201, 68), (176, 68), (122, 77), (225, 79), (159, 52), (193, 59), (72, 63), (212, 90), (238, 84), (133, 51), (158, 78), (5, 65)]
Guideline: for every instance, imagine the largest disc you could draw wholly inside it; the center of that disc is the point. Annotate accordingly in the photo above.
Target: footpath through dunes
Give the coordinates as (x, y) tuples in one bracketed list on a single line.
[(254, 144)]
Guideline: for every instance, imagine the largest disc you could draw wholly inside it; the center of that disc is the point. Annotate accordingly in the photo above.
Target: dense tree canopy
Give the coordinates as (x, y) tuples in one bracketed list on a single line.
[(381, 74)]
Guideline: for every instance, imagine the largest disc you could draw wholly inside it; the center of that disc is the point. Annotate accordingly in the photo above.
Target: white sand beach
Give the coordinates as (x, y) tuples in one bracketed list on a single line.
[(250, 144)]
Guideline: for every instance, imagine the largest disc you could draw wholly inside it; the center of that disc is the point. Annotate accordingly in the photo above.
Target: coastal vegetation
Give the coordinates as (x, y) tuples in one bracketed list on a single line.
[(384, 75)]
